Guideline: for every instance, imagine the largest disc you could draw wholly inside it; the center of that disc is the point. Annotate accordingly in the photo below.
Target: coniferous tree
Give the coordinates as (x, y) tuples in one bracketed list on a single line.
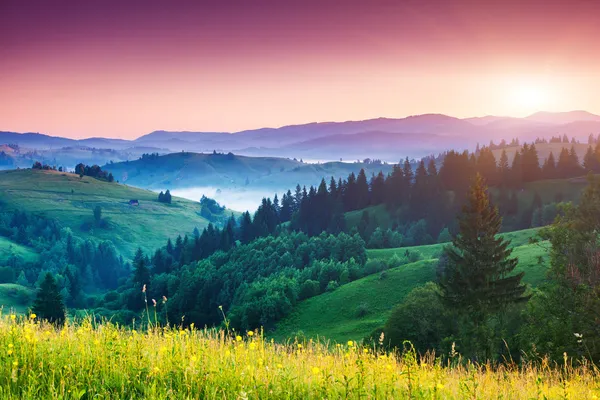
[(141, 273), (504, 169), (362, 190), (49, 304), (478, 280), (419, 193), (516, 171), (563, 166), (590, 162), (549, 168)]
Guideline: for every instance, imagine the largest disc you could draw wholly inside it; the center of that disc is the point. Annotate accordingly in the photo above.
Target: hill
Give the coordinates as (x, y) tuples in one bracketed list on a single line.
[(71, 200), (232, 172), (334, 140), (8, 249), (354, 310), (15, 298)]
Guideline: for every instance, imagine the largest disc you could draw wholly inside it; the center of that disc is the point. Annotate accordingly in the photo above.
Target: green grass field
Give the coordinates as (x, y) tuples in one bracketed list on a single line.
[(71, 200), (8, 248), (335, 315), (100, 361)]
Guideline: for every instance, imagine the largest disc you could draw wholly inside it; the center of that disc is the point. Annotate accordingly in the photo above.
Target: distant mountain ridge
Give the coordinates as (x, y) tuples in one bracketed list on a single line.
[(413, 136)]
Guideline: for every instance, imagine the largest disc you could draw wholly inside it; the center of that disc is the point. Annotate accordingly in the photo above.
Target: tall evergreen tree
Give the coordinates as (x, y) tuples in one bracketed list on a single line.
[(549, 167), (478, 280), (504, 168), (141, 273), (49, 304)]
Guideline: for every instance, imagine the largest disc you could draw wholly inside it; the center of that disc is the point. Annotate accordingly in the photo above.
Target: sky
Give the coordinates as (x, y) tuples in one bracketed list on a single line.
[(126, 68)]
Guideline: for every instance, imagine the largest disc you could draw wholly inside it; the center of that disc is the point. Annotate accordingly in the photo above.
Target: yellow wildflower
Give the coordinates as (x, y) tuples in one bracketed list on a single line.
[(316, 370), (10, 345), (33, 316), (439, 386), (15, 363), (9, 352), (252, 346), (250, 333), (350, 343), (238, 338), (13, 317)]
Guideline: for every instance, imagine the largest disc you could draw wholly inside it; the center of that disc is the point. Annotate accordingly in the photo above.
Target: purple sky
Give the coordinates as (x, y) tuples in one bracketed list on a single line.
[(124, 68)]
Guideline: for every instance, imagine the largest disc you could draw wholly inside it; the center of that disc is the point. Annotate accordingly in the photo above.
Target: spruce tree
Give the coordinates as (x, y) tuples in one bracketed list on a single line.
[(49, 304), (478, 277)]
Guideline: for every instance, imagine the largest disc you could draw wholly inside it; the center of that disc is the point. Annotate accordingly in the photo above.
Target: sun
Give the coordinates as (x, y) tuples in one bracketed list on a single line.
[(529, 98)]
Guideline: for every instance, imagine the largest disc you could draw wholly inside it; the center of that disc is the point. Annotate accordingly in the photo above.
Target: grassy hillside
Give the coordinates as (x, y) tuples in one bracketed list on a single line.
[(15, 298), (181, 170), (8, 248), (335, 315), (71, 200)]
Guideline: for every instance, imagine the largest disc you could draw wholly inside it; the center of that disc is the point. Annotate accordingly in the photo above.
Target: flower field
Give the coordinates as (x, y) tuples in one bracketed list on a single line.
[(85, 361)]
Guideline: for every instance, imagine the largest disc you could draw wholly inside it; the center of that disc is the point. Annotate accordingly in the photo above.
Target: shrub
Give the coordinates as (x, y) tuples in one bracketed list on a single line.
[(332, 285)]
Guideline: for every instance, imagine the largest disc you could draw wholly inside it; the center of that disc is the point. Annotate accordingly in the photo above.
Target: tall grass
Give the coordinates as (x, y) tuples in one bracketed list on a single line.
[(85, 361)]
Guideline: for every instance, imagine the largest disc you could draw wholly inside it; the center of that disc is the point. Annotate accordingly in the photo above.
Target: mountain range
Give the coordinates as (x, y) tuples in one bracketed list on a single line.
[(383, 138)]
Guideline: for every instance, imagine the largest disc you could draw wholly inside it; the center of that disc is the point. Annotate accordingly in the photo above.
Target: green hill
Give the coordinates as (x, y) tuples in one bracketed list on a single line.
[(15, 298), (354, 310), (72, 199), (8, 248), (184, 170)]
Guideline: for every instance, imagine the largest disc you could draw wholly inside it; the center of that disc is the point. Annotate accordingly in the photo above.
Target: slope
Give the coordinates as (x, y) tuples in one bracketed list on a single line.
[(354, 310), (8, 249), (72, 199)]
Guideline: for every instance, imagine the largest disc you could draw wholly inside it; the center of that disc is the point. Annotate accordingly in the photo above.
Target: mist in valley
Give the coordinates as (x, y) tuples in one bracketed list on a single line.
[(237, 199)]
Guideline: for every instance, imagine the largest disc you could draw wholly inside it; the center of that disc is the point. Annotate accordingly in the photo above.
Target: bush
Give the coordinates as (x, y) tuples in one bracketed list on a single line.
[(374, 266), (421, 319), (332, 285), (383, 275), (309, 289)]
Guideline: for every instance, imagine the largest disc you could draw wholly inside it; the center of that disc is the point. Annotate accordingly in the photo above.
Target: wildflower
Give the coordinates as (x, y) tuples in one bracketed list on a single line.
[(252, 346), (350, 343), (13, 317), (144, 289), (164, 299), (299, 345), (10, 345), (439, 386), (15, 363), (315, 370), (238, 338), (365, 350), (33, 316), (9, 352), (194, 359), (154, 302), (221, 308), (250, 333)]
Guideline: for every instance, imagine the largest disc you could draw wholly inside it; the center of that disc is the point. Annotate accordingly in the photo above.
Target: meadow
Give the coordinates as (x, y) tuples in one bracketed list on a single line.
[(86, 360), (72, 199), (354, 310), (8, 249)]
